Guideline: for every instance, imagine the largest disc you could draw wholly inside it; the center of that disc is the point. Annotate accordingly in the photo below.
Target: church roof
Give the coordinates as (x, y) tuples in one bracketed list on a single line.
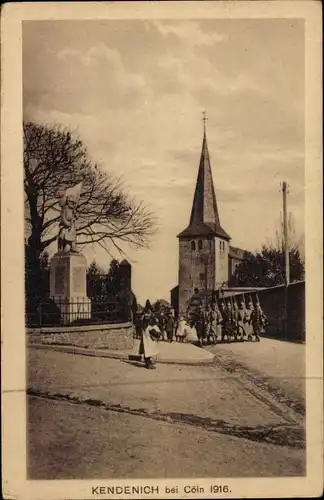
[(236, 253), (204, 219)]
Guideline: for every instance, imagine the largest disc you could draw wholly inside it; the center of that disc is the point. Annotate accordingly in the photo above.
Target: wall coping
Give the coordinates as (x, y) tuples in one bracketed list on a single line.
[(276, 287), (83, 328)]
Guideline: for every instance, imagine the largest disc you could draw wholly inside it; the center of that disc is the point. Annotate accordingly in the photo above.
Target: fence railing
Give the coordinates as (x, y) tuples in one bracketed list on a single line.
[(64, 312)]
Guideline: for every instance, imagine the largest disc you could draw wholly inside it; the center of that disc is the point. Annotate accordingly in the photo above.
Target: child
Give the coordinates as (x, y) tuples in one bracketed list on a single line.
[(181, 331)]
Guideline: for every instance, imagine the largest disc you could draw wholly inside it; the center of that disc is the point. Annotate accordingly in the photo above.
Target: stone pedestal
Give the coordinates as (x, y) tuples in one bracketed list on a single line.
[(68, 286)]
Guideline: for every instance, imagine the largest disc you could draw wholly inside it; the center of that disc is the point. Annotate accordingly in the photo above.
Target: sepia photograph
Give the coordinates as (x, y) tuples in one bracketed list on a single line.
[(163, 188)]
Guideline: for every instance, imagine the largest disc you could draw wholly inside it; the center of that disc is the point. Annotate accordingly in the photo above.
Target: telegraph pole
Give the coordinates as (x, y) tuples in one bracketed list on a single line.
[(285, 234), (286, 255)]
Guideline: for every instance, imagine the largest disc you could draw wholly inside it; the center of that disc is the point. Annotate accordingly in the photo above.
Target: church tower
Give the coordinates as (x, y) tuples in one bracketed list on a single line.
[(203, 245)]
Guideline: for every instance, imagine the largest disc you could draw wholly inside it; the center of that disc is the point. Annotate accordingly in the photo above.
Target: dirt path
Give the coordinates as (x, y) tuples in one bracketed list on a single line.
[(234, 421), (73, 441), (274, 366)]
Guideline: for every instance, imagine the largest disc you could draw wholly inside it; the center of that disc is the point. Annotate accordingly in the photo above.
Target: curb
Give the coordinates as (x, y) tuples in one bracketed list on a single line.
[(98, 353)]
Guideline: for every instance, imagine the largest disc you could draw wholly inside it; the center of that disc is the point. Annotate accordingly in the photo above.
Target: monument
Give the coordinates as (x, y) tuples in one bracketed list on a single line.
[(68, 267)]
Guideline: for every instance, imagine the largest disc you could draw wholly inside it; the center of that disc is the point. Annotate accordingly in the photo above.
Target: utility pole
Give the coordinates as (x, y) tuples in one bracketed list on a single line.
[(286, 255), (285, 234)]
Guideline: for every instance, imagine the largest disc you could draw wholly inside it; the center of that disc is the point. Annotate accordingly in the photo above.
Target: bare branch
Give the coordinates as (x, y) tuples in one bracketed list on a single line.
[(54, 159)]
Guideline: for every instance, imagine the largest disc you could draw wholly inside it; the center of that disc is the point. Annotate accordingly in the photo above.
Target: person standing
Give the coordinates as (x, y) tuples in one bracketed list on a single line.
[(169, 326), (215, 321), (224, 325), (212, 324), (149, 341), (162, 325), (258, 320), (207, 320), (235, 319), (200, 325), (229, 321), (181, 331), (241, 318), (219, 321), (248, 324)]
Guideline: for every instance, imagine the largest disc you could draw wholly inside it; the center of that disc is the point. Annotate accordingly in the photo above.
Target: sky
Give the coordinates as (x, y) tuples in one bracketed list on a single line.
[(134, 91)]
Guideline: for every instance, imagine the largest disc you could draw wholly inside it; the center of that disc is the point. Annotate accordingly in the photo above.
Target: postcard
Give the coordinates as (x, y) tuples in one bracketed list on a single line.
[(162, 260)]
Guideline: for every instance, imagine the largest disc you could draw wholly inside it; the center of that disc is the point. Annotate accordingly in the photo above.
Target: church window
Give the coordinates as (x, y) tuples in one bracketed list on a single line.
[(200, 245), (193, 245), (220, 246)]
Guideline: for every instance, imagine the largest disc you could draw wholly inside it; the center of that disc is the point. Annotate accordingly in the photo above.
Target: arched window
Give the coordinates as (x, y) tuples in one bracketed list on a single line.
[(200, 245), (220, 246), (193, 245)]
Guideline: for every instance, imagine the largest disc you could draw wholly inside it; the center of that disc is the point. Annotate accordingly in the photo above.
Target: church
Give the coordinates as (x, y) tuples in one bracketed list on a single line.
[(206, 259)]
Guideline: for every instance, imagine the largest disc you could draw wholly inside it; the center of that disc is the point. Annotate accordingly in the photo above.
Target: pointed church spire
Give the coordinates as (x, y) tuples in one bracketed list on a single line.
[(204, 217)]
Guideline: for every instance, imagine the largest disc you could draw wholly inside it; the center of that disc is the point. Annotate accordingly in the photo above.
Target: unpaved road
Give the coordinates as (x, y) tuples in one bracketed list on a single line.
[(102, 418)]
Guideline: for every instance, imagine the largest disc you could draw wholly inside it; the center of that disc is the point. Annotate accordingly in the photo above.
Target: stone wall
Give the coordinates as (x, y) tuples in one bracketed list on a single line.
[(221, 250), (114, 337), (192, 268), (273, 303)]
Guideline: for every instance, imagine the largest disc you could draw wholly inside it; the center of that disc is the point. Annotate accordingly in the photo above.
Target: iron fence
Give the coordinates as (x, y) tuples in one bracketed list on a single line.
[(75, 312)]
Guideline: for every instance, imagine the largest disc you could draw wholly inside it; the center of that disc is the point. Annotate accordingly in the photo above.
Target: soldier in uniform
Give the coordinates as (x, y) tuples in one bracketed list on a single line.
[(207, 323), (235, 319), (258, 320), (231, 320), (223, 316), (241, 320), (169, 326), (248, 324), (215, 322), (200, 325), (226, 325)]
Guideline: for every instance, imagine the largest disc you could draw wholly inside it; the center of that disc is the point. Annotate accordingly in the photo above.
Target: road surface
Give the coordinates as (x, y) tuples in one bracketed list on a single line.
[(275, 365), (103, 418)]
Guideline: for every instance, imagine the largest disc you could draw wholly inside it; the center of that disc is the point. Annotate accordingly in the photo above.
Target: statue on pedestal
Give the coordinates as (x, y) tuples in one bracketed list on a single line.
[(67, 234)]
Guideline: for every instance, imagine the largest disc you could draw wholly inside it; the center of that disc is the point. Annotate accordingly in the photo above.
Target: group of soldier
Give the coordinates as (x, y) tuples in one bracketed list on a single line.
[(227, 321), (220, 320)]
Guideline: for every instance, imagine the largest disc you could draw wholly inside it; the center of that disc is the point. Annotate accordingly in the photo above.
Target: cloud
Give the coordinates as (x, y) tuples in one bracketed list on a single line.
[(139, 113), (190, 33), (76, 81)]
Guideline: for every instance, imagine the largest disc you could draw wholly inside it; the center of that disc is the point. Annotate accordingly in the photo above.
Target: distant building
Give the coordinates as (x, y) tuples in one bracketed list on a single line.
[(206, 259), (235, 258)]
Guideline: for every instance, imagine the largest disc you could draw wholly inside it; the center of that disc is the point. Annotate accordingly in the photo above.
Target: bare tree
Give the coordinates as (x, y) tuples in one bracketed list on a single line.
[(55, 159), (295, 241)]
